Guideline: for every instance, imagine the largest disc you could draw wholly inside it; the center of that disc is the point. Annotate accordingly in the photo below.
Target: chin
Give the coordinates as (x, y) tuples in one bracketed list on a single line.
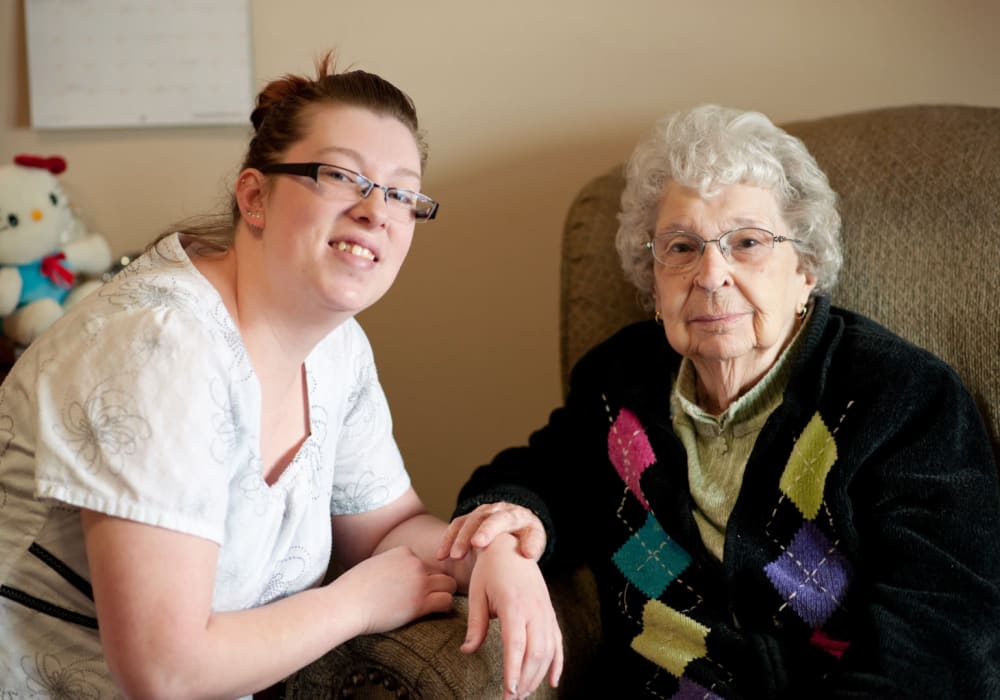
[(720, 351)]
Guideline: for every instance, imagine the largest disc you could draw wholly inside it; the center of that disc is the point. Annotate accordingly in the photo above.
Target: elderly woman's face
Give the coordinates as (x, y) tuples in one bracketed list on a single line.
[(722, 310)]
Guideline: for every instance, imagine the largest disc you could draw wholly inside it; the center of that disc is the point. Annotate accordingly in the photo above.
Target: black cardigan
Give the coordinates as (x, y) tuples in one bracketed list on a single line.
[(862, 557)]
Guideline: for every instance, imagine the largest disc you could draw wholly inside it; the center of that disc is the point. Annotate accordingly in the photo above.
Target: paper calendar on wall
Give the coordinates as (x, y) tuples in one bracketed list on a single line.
[(130, 63)]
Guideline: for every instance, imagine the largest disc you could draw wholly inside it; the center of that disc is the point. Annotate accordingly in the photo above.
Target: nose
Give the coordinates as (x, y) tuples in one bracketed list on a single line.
[(36, 214), (372, 207), (713, 270)]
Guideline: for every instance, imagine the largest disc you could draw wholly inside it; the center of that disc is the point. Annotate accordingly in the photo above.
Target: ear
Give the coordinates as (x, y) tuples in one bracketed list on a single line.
[(250, 195), (809, 284), (811, 281)]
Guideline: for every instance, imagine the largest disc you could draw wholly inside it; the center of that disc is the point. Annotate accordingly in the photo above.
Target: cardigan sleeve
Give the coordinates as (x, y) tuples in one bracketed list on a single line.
[(563, 473), (552, 475)]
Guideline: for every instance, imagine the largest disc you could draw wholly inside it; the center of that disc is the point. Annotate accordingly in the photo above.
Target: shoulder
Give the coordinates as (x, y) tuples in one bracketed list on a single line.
[(885, 382), (156, 317), (345, 346), (635, 356), (342, 372), (868, 348), (641, 339)]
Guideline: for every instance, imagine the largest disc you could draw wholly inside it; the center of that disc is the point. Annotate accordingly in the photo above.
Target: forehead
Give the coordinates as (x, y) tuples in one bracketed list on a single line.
[(367, 139), (726, 205)]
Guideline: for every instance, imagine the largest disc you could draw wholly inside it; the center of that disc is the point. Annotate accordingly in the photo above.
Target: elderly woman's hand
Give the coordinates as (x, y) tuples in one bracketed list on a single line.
[(480, 527)]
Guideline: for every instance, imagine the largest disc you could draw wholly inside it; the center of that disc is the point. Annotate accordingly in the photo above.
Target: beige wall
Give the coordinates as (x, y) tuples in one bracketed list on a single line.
[(522, 102)]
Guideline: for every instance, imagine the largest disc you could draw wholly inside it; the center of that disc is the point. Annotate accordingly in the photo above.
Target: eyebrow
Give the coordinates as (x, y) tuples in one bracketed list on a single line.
[(359, 159), (735, 223)]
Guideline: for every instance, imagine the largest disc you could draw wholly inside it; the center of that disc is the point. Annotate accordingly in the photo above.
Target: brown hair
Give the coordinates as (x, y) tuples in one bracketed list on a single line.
[(279, 121)]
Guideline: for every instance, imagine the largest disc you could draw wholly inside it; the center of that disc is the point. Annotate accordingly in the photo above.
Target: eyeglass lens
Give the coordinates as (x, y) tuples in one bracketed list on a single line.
[(402, 202), (743, 245)]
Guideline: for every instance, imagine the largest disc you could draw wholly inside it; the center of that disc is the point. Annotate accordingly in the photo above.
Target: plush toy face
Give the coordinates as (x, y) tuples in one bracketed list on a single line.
[(34, 214)]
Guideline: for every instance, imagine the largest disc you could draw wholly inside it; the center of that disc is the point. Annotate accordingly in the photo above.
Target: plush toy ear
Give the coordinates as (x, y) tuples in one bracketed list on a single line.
[(54, 164)]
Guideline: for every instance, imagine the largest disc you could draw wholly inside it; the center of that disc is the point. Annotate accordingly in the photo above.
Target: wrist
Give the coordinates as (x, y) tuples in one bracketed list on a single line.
[(461, 569)]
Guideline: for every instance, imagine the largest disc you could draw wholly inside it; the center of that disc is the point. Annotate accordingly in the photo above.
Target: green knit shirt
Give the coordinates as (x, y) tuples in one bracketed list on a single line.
[(718, 447)]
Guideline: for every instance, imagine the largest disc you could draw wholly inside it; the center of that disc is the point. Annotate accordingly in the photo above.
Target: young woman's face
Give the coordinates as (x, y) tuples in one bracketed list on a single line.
[(340, 251)]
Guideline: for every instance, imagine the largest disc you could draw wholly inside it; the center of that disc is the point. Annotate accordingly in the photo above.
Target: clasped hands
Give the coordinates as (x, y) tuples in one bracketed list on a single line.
[(506, 541)]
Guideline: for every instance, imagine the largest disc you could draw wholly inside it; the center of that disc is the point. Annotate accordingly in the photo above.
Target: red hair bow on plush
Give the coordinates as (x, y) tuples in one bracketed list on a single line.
[(53, 268), (54, 165)]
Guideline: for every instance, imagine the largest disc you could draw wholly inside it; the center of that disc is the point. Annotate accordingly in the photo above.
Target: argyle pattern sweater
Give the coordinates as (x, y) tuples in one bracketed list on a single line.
[(862, 557)]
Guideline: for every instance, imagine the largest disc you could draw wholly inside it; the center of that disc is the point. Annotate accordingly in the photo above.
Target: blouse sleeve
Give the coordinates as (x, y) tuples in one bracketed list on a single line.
[(368, 468), (126, 417)]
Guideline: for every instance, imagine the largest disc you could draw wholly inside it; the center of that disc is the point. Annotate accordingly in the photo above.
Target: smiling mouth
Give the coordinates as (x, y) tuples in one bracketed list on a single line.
[(354, 249), (730, 317)]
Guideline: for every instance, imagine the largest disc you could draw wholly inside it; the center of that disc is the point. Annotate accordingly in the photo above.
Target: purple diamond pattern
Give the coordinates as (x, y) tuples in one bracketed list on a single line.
[(689, 690), (811, 575)]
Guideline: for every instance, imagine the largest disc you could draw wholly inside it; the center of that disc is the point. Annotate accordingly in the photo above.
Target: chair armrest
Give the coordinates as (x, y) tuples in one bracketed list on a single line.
[(423, 659)]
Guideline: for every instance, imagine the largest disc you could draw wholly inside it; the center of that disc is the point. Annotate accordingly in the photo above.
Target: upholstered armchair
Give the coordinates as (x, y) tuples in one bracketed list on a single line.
[(920, 196)]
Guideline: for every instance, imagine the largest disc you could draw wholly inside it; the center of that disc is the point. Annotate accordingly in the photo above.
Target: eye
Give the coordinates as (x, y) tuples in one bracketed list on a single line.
[(407, 197), (749, 239), (53, 198), (12, 220), (337, 176), (744, 243), (680, 245)]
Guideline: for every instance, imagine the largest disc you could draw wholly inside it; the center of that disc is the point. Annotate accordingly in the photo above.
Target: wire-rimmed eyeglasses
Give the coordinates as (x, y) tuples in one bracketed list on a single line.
[(402, 203), (681, 249)]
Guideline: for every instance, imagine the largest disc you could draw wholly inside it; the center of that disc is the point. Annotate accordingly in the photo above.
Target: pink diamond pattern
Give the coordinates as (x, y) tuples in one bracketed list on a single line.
[(630, 451)]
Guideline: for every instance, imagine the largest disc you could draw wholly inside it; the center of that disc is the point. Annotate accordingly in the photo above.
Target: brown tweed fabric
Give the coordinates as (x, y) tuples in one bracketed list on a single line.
[(423, 660), (919, 194)]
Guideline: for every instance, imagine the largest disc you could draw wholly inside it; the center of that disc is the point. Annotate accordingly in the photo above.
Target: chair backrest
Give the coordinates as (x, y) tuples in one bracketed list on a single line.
[(919, 195)]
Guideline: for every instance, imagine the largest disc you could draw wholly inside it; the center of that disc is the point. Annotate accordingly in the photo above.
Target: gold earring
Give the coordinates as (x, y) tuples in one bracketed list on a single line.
[(658, 318)]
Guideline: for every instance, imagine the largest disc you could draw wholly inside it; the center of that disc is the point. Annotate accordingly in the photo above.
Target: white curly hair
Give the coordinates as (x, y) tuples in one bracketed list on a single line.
[(710, 146)]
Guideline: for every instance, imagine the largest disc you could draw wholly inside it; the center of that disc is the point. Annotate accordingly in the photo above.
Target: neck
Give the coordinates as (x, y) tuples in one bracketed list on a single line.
[(721, 381), (276, 331)]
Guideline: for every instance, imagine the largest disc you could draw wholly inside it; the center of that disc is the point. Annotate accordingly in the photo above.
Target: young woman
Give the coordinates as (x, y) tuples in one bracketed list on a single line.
[(174, 451)]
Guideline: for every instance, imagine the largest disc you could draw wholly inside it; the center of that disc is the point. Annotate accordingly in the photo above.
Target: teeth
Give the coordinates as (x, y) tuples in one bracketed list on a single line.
[(355, 249)]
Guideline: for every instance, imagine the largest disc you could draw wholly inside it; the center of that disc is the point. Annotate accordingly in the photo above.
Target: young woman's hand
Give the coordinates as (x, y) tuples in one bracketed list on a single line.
[(507, 585), (394, 588), (480, 527)]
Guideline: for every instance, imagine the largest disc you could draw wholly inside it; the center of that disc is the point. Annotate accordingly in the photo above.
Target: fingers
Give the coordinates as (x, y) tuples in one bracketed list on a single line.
[(479, 621), (448, 539), (480, 527), (555, 672), (536, 652), (440, 593), (514, 644), (532, 543), (504, 517)]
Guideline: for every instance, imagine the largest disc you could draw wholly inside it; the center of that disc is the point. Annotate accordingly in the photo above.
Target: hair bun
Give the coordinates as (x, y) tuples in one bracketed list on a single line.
[(275, 93)]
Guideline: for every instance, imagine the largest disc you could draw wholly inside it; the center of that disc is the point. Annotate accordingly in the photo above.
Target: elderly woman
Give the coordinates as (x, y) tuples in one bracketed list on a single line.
[(778, 498)]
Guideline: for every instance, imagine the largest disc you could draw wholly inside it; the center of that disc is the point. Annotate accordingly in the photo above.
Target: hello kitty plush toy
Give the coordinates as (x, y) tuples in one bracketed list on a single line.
[(42, 249)]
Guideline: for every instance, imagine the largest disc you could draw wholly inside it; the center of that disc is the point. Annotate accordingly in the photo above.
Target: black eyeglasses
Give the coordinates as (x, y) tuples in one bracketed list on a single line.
[(403, 204), (744, 246)]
